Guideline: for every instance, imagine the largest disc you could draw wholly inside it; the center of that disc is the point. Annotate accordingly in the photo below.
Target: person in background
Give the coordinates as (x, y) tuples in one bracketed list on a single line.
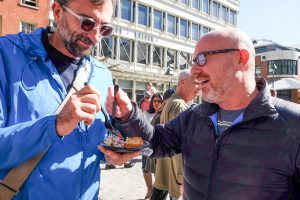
[(36, 72), (168, 173), (145, 102), (240, 143), (148, 164), (151, 89)]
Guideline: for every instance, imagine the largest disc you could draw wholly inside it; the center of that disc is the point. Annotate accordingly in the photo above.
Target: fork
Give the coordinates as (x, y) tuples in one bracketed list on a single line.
[(112, 130)]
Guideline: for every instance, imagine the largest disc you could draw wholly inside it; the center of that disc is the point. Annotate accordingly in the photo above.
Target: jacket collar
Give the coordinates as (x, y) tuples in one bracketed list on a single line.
[(32, 43), (260, 106)]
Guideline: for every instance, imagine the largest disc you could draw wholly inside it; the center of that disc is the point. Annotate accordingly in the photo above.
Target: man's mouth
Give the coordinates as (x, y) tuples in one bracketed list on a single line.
[(203, 82)]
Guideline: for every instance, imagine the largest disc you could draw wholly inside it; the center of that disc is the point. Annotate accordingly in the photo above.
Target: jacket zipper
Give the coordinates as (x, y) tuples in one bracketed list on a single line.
[(213, 167), (216, 157)]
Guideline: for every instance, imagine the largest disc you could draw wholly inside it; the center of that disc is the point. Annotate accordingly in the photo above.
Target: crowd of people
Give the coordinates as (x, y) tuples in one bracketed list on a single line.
[(240, 143)]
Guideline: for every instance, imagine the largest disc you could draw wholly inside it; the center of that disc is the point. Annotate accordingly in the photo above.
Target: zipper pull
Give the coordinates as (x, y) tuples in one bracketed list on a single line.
[(217, 143)]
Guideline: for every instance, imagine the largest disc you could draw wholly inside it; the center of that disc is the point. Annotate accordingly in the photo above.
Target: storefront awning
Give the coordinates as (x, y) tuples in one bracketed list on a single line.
[(285, 84)]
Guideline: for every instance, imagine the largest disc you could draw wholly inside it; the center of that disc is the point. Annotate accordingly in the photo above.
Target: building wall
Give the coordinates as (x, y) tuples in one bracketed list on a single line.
[(13, 12), (262, 61)]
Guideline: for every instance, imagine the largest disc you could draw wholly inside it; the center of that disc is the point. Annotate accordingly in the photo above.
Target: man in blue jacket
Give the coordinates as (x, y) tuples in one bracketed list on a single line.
[(241, 143), (36, 72)]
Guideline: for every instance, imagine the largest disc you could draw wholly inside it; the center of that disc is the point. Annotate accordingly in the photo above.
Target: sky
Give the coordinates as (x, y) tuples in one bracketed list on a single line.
[(277, 20)]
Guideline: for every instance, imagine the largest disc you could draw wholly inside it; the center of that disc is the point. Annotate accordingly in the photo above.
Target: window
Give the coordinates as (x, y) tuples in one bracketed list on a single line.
[(126, 10), (224, 14), (232, 17), (183, 60), (215, 9), (127, 86), (33, 3), (195, 32), (206, 6), (107, 47), (284, 94), (143, 15), (126, 49), (257, 70), (116, 13), (186, 2), (158, 53), (195, 4), (184, 30), (142, 53), (205, 30), (0, 24), (171, 59), (27, 27), (283, 67), (171, 24), (158, 20)]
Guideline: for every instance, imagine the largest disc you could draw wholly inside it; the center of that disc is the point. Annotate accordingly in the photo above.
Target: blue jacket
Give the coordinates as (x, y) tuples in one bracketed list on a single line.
[(30, 92)]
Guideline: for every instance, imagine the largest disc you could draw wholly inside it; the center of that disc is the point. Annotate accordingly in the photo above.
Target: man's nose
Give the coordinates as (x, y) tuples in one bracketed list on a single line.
[(196, 69)]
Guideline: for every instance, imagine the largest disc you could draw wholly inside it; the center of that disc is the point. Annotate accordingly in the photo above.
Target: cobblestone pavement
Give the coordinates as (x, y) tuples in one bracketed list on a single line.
[(123, 183)]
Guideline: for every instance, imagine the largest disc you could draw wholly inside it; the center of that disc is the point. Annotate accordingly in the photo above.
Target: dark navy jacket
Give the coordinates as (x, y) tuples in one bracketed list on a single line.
[(257, 158)]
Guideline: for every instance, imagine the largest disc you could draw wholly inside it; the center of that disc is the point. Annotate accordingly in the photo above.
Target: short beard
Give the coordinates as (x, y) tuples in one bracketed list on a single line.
[(70, 39)]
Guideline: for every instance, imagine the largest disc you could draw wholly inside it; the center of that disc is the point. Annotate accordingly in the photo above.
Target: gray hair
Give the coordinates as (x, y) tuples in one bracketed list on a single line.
[(183, 75), (97, 2)]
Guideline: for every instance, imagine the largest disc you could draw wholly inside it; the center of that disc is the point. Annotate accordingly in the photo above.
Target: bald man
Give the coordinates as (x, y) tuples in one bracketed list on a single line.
[(242, 143)]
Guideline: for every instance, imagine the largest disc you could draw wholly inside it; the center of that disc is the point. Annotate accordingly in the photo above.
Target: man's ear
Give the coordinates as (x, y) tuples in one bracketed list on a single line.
[(57, 10), (244, 56)]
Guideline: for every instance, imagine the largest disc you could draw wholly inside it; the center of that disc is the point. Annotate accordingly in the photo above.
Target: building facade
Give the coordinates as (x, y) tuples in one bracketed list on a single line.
[(279, 65), (23, 15), (155, 39)]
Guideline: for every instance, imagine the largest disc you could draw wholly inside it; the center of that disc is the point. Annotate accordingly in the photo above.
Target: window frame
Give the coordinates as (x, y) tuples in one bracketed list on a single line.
[(27, 23), (147, 15), (29, 2), (161, 20), (168, 27)]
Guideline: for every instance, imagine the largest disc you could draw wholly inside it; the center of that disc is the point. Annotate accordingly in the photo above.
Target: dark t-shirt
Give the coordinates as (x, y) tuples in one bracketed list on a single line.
[(65, 66), (226, 118)]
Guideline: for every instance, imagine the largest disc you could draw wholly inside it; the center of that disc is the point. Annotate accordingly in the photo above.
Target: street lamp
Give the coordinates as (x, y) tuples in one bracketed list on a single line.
[(169, 72)]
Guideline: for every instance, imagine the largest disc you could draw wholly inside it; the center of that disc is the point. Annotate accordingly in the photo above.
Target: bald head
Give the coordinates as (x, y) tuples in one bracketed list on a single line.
[(224, 64), (228, 38)]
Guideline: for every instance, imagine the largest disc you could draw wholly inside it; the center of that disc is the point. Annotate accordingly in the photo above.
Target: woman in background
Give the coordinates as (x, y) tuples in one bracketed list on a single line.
[(148, 164)]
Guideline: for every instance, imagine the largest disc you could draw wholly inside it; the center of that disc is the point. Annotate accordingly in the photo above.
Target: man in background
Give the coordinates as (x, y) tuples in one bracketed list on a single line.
[(169, 171)]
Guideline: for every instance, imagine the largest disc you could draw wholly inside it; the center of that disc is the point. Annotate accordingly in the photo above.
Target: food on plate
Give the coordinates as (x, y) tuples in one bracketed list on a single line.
[(131, 142)]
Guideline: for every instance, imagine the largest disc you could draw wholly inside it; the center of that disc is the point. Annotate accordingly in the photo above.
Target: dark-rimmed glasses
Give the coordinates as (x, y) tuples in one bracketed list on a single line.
[(200, 59), (88, 24)]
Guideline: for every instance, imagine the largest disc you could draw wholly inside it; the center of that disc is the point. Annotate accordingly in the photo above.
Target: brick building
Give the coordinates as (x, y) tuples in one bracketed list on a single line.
[(279, 65), (23, 15)]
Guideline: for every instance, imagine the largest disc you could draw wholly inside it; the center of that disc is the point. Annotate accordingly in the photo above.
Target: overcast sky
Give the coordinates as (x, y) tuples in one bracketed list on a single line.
[(277, 20)]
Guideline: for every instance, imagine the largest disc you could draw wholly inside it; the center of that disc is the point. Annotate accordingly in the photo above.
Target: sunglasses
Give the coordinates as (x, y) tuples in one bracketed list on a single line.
[(156, 101), (88, 24), (200, 59)]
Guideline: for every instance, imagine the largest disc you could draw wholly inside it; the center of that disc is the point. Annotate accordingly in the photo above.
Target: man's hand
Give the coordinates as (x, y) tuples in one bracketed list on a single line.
[(81, 106), (117, 158), (124, 106)]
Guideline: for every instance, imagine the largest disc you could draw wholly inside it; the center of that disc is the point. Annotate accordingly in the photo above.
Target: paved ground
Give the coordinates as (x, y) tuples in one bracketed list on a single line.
[(122, 183)]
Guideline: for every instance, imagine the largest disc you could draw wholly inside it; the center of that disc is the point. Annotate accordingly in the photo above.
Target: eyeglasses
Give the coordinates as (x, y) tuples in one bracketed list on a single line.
[(88, 24), (200, 59), (156, 101)]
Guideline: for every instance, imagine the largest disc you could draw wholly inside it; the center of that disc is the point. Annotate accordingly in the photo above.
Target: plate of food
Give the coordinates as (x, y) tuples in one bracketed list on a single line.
[(131, 144)]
